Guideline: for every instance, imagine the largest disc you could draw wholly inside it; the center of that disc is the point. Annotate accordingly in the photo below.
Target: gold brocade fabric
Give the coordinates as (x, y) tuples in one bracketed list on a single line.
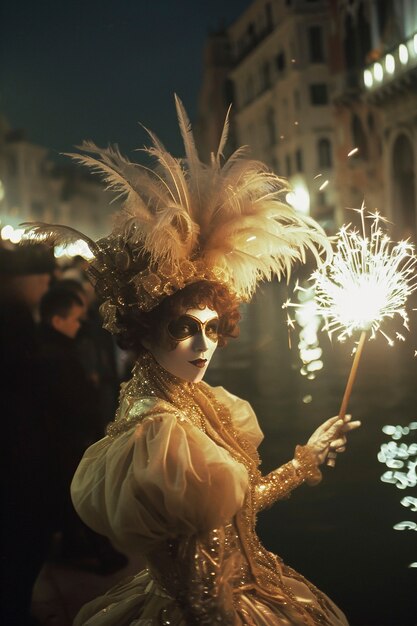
[(222, 575)]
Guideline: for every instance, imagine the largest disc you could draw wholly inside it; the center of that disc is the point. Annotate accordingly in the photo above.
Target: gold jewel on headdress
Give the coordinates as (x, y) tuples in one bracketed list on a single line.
[(185, 221)]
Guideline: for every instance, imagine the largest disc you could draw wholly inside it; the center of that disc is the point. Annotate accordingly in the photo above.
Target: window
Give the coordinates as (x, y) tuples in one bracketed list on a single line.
[(284, 109), (359, 138), (315, 44), (251, 31), (299, 160), (319, 94), (404, 182), (288, 165), (241, 46), (275, 165), (249, 89), (248, 138), (280, 61), (268, 14), (271, 126), (324, 149), (266, 75), (297, 101)]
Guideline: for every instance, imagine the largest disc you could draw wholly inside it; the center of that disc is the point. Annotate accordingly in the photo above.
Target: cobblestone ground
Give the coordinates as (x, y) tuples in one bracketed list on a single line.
[(340, 534)]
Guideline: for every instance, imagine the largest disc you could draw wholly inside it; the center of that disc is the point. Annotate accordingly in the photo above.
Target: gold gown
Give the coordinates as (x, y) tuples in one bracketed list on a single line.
[(177, 480)]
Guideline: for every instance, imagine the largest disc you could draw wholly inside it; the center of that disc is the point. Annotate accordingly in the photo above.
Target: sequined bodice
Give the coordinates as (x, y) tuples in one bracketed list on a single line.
[(198, 570)]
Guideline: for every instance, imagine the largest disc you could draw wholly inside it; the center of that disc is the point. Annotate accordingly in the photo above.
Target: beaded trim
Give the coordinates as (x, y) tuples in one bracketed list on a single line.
[(152, 284), (308, 467)]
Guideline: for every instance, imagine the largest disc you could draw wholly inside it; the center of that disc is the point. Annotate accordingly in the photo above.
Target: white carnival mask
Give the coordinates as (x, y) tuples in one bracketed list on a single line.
[(196, 334)]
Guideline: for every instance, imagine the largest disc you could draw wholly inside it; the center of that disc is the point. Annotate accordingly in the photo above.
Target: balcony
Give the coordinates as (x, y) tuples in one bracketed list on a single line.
[(394, 71), (251, 43)]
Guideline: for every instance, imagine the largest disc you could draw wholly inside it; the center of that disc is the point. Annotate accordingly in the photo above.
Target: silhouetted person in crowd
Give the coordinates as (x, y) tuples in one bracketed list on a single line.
[(96, 348), (25, 443), (69, 402), (71, 407)]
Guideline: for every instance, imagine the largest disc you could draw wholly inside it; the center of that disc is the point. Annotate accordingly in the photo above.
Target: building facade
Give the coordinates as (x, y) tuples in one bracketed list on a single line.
[(375, 106), (34, 188), (283, 90)]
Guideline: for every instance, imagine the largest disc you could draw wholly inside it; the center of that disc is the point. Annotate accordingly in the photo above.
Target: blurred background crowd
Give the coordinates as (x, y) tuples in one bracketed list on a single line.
[(61, 374)]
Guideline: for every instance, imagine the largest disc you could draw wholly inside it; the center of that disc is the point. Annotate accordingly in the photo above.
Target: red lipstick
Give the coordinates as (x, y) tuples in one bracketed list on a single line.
[(200, 363)]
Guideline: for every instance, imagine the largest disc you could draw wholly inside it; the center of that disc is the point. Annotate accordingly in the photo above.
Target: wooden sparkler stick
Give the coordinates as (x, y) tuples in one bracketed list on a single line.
[(331, 462), (352, 376)]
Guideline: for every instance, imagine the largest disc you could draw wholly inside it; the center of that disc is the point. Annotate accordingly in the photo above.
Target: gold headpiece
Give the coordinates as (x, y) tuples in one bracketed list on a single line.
[(185, 221)]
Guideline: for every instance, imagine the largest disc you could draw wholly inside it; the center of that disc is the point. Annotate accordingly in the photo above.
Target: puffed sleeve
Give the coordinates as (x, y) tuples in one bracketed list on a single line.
[(243, 416), (162, 478), (279, 483)]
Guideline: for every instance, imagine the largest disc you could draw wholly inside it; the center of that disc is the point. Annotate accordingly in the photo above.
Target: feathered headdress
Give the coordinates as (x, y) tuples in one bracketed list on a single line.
[(186, 221)]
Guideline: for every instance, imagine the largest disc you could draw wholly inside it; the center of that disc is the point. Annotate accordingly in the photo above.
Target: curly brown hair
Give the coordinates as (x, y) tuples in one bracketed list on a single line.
[(139, 325)]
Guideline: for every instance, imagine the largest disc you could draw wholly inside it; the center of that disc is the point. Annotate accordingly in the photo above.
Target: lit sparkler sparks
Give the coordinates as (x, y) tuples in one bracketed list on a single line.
[(368, 280)]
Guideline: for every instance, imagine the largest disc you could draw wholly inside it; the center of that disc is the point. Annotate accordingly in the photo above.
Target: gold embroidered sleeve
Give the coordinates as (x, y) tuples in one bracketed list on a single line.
[(279, 483)]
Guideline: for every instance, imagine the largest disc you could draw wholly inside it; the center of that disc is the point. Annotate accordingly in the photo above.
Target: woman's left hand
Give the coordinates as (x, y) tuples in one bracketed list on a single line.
[(330, 438)]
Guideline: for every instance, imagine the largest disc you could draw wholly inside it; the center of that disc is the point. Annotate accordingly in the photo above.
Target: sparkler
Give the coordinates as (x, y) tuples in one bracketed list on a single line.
[(368, 280)]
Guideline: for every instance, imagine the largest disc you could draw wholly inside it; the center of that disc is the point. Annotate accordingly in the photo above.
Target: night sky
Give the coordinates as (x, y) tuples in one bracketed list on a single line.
[(93, 69)]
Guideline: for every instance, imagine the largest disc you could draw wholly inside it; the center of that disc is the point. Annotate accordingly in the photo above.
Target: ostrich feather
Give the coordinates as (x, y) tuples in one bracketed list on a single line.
[(171, 170), (224, 135), (173, 237), (230, 214), (55, 235), (149, 200), (193, 161), (117, 172)]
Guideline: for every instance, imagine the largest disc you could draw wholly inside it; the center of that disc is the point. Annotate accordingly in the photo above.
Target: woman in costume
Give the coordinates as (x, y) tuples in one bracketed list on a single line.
[(177, 477)]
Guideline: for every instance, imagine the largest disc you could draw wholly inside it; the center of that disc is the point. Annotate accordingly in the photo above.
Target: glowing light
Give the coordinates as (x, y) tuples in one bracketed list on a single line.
[(406, 456), (411, 502), (16, 235), (368, 78), (323, 185), (309, 322), (77, 248), (405, 526), (299, 198), (368, 280), (6, 232), (390, 64), (2, 191), (59, 252), (378, 72), (403, 54), (415, 44), (353, 151), (252, 238)]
